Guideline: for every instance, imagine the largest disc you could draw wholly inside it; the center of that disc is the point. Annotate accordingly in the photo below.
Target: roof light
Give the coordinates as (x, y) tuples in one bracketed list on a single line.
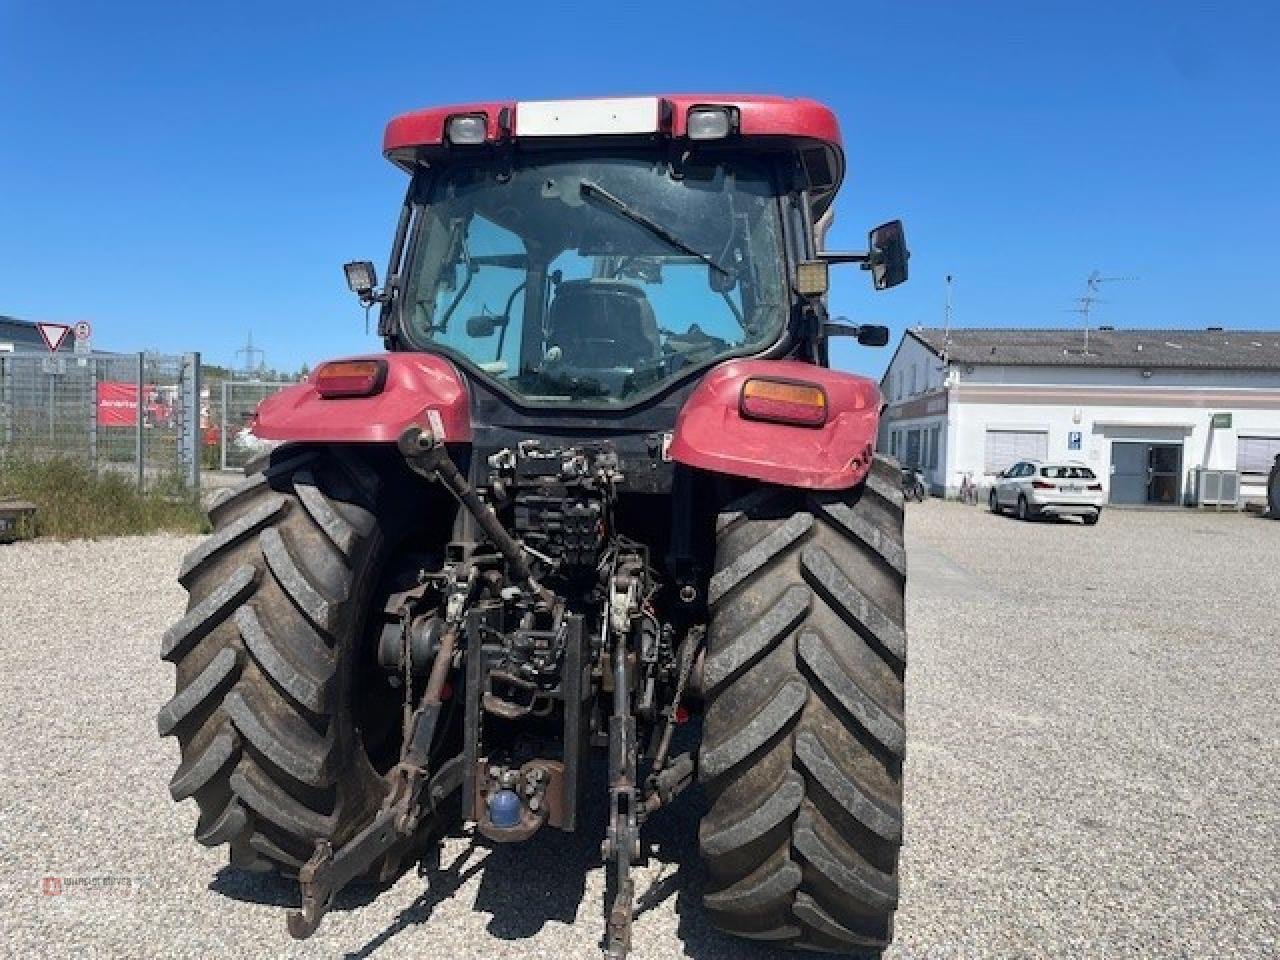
[(709, 123), (812, 279), (467, 128), (350, 378), (784, 401)]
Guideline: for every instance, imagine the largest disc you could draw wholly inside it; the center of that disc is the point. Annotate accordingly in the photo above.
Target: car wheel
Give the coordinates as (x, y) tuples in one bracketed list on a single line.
[(1091, 518), (993, 502), (1024, 511)]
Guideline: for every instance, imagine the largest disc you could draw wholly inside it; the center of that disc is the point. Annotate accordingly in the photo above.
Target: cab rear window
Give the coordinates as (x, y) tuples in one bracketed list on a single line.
[(1067, 473)]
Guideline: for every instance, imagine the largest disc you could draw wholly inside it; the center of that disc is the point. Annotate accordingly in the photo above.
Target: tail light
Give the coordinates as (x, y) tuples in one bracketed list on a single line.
[(1096, 487), (350, 378), (1044, 485), (784, 401)]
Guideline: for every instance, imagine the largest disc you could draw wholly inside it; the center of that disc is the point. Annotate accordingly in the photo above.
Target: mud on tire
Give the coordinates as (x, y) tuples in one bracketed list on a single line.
[(264, 658), (804, 736)]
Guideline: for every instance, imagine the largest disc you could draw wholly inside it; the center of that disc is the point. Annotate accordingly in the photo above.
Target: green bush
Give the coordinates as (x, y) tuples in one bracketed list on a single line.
[(73, 502)]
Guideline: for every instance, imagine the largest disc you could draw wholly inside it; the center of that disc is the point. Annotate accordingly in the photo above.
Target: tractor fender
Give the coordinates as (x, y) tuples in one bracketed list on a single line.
[(712, 434), (420, 388)]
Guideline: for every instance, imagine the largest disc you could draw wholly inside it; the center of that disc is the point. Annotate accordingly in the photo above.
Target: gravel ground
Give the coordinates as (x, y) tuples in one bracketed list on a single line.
[(1093, 768)]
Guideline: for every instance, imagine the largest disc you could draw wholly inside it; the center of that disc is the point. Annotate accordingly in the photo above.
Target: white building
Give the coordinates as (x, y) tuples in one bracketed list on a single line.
[(1148, 410)]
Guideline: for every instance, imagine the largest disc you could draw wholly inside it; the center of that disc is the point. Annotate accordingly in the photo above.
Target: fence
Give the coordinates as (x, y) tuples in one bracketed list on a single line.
[(234, 404), (135, 414)]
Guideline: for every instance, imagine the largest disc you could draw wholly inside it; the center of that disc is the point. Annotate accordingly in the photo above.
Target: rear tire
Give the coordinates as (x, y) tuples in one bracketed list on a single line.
[(1092, 518), (1024, 510), (266, 656), (804, 735), (993, 502)]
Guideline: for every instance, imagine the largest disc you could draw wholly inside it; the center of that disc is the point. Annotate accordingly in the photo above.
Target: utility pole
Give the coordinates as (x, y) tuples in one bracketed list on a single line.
[(250, 351)]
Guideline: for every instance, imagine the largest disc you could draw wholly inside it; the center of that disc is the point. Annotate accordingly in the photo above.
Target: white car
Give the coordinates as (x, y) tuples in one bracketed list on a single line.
[(1032, 488)]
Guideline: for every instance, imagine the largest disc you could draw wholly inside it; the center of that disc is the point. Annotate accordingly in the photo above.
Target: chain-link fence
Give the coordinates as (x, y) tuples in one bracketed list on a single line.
[(135, 414), (232, 405)]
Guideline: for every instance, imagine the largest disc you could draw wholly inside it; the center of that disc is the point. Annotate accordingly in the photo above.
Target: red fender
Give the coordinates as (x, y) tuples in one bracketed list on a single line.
[(420, 388), (712, 434)]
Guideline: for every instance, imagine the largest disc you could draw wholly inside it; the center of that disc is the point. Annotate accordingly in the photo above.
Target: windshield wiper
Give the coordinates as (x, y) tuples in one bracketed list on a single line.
[(590, 189)]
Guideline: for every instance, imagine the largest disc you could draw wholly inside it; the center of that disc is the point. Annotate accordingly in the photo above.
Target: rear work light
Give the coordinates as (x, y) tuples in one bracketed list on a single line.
[(467, 128), (709, 123), (784, 401), (350, 378)]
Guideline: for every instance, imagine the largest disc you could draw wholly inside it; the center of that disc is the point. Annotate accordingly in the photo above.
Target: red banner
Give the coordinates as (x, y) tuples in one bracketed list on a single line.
[(117, 404)]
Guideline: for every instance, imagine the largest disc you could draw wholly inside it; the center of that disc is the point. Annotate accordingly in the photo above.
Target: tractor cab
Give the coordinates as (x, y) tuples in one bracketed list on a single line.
[(597, 253)]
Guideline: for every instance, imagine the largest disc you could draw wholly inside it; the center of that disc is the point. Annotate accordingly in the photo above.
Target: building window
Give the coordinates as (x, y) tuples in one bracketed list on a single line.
[(1256, 454), (1007, 447), (893, 443), (913, 379), (933, 447)]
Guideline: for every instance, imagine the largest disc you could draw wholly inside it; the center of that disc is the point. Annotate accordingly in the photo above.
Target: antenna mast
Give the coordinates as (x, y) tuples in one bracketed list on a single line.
[(1091, 284), (946, 324)]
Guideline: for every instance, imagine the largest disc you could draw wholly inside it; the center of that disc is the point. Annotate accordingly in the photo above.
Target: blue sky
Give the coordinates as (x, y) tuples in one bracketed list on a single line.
[(180, 174)]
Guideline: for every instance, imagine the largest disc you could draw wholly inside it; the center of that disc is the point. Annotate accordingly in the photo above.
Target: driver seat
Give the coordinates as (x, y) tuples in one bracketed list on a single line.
[(602, 324)]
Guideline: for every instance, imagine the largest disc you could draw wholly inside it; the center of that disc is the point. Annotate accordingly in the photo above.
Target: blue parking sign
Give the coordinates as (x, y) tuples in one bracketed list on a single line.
[(1073, 440)]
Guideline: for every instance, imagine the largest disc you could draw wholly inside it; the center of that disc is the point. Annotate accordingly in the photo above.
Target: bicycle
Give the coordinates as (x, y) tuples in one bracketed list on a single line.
[(968, 489)]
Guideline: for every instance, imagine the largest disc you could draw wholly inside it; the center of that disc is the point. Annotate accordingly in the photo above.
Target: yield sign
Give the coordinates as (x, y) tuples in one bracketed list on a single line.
[(53, 334)]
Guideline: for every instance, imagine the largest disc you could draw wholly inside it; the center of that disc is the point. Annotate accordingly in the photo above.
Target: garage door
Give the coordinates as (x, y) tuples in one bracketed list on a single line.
[(1007, 447)]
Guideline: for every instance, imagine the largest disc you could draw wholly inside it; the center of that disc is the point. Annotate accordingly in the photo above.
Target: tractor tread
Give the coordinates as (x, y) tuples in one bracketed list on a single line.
[(755, 893), (208, 613), (855, 879), (226, 501), (335, 526), (827, 669), (866, 532), (751, 560), (774, 808), (747, 647), (808, 912), (309, 687), (217, 543), (274, 852), (224, 827), (289, 743), (720, 757), (862, 806), (192, 775), (318, 608), (853, 605), (261, 795), (197, 692)]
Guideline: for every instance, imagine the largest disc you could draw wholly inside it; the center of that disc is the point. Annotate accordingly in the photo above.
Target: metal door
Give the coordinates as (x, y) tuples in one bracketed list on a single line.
[(1130, 463), (1164, 474)]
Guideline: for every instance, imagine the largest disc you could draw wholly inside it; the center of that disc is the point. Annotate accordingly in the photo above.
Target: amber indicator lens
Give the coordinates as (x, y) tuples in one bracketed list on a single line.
[(784, 401), (350, 378)]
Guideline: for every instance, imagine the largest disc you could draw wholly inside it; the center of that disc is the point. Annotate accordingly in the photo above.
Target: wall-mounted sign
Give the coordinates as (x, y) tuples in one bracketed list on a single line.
[(1074, 440), (1220, 421)]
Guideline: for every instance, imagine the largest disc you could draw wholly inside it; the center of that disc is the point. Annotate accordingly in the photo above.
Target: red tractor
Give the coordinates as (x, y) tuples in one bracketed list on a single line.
[(603, 477)]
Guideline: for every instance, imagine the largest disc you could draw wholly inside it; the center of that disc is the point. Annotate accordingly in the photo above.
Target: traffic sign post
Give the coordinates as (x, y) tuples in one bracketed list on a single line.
[(84, 332), (53, 334)]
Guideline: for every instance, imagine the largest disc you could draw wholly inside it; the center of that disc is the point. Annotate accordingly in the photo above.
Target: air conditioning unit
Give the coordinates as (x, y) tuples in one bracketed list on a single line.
[(1217, 488)]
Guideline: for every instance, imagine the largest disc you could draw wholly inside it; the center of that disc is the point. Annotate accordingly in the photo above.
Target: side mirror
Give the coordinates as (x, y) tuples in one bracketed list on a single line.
[(484, 325), (887, 258), (362, 278), (867, 334)]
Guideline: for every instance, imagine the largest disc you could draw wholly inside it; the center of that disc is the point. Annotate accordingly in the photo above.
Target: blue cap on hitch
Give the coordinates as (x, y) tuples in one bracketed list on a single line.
[(504, 808)]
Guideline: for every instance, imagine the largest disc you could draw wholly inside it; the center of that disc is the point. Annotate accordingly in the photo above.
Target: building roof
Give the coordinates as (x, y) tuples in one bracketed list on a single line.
[(24, 335), (1179, 349)]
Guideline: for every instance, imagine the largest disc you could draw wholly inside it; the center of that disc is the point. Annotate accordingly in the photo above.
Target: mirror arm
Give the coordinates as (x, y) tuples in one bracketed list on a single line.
[(835, 256)]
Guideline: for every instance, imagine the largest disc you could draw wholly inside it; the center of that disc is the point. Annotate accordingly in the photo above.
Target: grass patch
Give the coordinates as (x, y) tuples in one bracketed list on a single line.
[(75, 502)]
